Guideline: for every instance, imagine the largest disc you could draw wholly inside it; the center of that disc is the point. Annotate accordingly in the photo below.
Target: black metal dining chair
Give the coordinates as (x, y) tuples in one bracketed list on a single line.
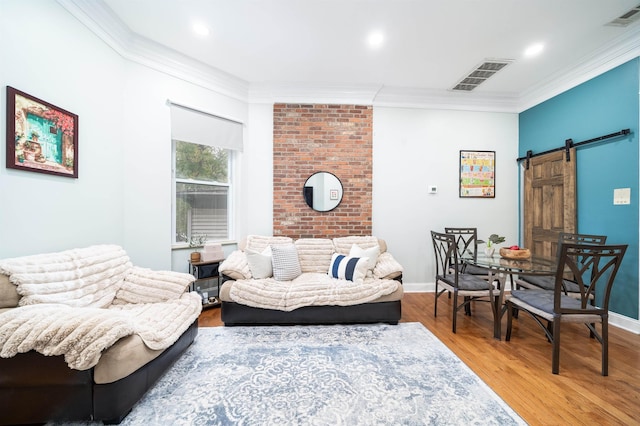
[(548, 282), (594, 268), (450, 278), (467, 245)]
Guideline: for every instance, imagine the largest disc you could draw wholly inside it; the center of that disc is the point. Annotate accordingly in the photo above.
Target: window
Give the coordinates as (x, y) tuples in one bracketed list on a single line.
[(204, 150), (202, 191)]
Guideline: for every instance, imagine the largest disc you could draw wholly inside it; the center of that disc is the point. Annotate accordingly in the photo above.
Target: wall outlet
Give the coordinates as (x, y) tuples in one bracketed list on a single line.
[(622, 196)]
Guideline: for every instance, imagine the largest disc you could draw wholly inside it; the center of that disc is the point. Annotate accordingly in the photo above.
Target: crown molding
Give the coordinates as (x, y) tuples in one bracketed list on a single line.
[(321, 93), (379, 96), (445, 99), (101, 20), (614, 54)]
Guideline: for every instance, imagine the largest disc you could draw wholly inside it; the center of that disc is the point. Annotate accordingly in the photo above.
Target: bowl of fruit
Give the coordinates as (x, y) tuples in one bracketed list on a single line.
[(515, 252)]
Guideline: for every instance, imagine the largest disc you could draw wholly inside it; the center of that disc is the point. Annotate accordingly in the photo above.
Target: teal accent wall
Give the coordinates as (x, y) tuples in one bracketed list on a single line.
[(603, 105)]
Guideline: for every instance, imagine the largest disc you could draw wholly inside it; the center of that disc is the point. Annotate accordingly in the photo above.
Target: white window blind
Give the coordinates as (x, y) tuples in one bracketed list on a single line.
[(191, 125)]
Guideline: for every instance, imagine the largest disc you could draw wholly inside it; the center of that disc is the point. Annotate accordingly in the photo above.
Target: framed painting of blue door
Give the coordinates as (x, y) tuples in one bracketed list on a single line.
[(41, 137)]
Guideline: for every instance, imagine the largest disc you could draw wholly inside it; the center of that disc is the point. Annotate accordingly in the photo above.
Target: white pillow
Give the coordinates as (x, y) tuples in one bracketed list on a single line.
[(348, 268), (285, 262), (371, 253), (260, 263), (142, 285)]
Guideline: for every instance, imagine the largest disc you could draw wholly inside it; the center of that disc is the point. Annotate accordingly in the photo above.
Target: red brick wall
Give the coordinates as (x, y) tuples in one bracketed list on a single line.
[(314, 138)]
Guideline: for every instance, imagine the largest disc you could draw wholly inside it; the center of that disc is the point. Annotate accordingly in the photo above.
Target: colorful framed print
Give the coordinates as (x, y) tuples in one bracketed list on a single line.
[(477, 174), (41, 137)]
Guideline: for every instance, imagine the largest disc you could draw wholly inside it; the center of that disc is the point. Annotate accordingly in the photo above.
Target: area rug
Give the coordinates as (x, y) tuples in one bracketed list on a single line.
[(320, 375)]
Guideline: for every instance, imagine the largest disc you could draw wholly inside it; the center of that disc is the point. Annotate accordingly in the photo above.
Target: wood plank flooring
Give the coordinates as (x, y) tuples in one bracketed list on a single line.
[(520, 370)]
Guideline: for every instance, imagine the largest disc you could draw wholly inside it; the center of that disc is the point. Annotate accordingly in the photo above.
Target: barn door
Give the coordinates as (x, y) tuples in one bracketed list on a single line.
[(549, 201)]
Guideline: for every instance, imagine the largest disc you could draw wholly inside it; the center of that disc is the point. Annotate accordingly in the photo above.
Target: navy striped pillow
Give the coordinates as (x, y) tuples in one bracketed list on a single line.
[(348, 268)]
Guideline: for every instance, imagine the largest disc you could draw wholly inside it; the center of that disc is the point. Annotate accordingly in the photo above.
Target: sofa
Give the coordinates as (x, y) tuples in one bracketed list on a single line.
[(281, 281), (84, 334)]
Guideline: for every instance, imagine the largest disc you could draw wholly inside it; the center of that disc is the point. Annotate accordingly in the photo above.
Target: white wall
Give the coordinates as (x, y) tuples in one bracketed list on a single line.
[(44, 53), (415, 148), (257, 171), (123, 193), (147, 158), (412, 148)]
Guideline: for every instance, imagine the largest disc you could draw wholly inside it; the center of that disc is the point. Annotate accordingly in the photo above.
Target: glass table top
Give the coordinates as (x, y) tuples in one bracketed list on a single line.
[(535, 265)]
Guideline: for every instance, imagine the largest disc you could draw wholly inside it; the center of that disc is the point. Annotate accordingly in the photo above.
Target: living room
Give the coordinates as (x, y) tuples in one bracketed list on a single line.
[(53, 50)]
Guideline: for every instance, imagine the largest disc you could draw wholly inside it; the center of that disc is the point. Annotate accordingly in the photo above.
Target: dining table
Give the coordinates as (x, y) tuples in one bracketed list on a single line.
[(500, 268)]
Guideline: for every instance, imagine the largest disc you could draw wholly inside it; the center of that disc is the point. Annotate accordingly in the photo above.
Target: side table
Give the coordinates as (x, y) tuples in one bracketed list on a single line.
[(207, 281)]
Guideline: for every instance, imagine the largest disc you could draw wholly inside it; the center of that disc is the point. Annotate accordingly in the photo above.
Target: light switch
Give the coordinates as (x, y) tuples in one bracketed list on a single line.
[(622, 196), (433, 189)]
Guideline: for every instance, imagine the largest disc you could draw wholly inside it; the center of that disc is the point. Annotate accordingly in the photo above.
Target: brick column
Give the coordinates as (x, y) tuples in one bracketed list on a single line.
[(314, 138)]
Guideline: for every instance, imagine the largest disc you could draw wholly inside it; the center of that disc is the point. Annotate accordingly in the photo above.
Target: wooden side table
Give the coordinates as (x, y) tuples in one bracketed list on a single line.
[(207, 281)]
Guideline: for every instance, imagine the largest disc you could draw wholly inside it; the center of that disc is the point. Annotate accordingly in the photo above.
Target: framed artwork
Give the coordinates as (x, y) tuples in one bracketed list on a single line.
[(477, 174), (41, 137), (333, 194)]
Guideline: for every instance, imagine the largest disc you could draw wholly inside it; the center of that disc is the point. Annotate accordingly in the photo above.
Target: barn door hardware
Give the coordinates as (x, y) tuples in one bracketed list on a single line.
[(568, 144)]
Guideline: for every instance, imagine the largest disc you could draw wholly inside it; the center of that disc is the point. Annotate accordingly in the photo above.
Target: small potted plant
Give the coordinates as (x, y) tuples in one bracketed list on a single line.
[(195, 242), (493, 239)]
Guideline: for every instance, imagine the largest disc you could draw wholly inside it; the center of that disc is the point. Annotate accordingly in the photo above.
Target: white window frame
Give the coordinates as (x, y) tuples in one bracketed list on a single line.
[(194, 125), (231, 158)]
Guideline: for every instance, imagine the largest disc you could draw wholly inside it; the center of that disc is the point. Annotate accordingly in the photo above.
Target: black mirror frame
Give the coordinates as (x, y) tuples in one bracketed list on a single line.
[(307, 192)]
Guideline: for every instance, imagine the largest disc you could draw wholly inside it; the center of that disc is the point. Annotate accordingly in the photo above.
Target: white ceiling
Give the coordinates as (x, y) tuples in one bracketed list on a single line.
[(279, 47)]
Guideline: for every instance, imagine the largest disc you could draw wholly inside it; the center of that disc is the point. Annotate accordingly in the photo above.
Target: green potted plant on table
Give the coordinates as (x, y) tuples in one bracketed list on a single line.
[(493, 239)]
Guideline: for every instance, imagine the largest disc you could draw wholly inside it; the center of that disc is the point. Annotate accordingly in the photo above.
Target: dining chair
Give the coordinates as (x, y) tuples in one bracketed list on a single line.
[(467, 244), (452, 279), (569, 285), (594, 268)]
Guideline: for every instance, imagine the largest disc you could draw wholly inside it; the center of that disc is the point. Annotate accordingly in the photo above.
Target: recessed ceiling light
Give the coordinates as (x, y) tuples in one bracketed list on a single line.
[(200, 29), (375, 39), (534, 49)]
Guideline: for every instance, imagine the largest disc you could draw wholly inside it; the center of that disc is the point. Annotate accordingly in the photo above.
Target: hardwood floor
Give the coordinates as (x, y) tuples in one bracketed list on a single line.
[(520, 370)]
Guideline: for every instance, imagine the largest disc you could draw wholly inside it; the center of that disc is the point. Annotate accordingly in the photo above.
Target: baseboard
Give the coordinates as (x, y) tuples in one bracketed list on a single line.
[(626, 323), (418, 287), (616, 320)]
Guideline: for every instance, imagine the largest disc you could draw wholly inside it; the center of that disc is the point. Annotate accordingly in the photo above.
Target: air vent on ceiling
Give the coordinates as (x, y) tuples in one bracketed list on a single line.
[(480, 74), (622, 21)]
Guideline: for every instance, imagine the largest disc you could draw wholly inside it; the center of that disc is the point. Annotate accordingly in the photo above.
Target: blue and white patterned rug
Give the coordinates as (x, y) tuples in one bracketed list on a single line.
[(320, 375)]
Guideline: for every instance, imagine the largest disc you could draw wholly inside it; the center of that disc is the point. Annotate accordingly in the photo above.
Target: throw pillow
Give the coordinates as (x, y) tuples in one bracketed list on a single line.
[(348, 268), (285, 262), (260, 263), (143, 285), (371, 253)]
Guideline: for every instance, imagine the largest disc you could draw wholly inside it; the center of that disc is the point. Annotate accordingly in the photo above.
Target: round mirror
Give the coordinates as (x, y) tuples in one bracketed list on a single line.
[(322, 191)]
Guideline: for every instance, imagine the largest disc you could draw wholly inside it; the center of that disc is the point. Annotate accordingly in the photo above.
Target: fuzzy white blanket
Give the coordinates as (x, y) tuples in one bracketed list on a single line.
[(308, 289), (83, 277), (81, 334), (79, 302)]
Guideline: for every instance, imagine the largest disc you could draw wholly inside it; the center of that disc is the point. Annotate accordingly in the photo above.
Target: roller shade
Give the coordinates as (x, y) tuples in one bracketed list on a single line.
[(191, 125)]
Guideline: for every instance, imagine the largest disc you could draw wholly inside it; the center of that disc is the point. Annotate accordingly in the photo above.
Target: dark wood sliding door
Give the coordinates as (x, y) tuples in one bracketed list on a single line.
[(549, 201)]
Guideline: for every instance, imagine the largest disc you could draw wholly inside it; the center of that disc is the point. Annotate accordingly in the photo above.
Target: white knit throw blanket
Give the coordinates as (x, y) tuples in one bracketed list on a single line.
[(81, 334), (79, 302), (310, 289), (84, 277)]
